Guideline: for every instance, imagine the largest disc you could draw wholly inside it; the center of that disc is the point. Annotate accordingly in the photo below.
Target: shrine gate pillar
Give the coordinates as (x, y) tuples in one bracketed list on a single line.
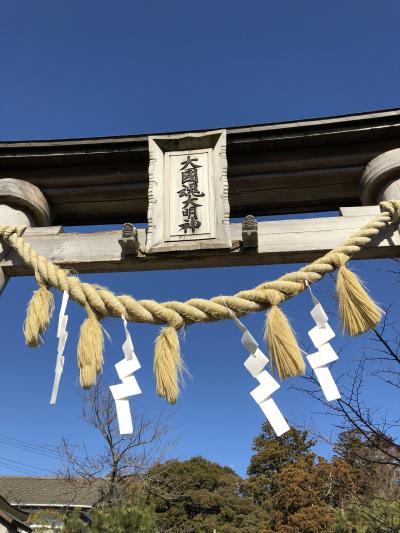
[(381, 178), (21, 203)]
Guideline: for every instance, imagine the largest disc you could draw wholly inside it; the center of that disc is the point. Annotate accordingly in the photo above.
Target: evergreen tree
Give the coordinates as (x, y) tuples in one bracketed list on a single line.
[(299, 490), (198, 496), (272, 454), (138, 519)]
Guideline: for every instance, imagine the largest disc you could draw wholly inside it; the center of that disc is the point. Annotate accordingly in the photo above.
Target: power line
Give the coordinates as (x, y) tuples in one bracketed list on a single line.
[(28, 447), (14, 469), (47, 448), (23, 465), (20, 469), (13, 445)]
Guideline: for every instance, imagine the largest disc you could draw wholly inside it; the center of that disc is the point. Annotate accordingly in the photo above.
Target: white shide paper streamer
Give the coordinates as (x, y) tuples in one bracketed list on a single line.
[(62, 335), (320, 336), (129, 386), (255, 364)]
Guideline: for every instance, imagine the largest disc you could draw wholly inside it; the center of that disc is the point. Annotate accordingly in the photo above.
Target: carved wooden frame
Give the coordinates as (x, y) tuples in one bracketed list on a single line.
[(159, 234)]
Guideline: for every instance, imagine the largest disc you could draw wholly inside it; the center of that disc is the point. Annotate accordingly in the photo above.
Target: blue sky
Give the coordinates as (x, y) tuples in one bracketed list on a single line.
[(98, 68)]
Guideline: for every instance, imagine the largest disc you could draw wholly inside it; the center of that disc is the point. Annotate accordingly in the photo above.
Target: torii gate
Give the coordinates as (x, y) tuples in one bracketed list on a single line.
[(346, 164)]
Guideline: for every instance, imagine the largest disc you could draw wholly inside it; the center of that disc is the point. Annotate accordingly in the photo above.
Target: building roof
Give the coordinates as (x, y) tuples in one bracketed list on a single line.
[(13, 516), (50, 491)]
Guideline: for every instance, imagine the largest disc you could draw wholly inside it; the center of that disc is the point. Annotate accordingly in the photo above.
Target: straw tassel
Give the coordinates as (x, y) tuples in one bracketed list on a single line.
[(286, 358), (90, 350), (168, 364), (38, 315), (358, 312)]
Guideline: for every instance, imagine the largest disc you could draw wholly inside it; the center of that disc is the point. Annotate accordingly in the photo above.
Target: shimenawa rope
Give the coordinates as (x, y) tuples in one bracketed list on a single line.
[(358, 311)]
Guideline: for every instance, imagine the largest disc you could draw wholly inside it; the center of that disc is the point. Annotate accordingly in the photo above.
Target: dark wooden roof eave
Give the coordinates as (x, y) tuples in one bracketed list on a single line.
[(306, 165), (13, 516)]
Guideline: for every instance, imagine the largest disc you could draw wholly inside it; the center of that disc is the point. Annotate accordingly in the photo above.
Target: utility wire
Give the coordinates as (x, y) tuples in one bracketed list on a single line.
[(21, 469), (28, 447), (23, 465), (47, 448)]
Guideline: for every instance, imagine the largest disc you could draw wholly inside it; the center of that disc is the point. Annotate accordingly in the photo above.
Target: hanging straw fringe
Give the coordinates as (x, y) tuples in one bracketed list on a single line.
[(168, 364), (90, 350), (358, 312), (38, 315), (286, 358), (283, 346)]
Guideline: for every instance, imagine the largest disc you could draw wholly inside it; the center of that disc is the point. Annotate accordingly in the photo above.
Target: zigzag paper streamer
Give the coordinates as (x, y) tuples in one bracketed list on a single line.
[(320, 336), (255, 364), (129, 386), (62, 335)]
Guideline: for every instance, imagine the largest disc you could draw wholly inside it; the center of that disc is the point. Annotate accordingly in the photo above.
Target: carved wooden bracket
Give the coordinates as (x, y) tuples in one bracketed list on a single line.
[(129, 241), (250, 233)]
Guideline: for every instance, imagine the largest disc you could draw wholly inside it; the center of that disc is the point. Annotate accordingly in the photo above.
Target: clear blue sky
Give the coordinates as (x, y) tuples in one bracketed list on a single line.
[(98, 68)]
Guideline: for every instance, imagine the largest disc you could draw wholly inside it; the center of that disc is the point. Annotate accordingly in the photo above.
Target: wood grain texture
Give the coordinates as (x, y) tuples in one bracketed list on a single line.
[(300, 166), (286, 241), (163, 234)]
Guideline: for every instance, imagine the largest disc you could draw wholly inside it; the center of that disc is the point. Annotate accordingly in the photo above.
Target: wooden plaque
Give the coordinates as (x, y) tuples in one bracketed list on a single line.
[(188, 192)]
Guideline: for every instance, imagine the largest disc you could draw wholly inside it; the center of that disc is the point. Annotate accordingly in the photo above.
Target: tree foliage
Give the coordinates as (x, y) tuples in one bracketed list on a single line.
[(200, 496), (298, 489), (121, 519)]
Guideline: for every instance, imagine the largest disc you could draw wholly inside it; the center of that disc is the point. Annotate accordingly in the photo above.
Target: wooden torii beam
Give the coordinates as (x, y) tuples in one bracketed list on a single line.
[(284, 241), (315, 165), (299, 166)]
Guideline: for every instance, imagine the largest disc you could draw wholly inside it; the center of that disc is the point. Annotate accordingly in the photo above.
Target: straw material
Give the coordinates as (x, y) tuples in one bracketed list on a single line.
[(38, 316), (168, 364), (87, 376), (358, 312), (283, 346), (286, 358), (90, 351)]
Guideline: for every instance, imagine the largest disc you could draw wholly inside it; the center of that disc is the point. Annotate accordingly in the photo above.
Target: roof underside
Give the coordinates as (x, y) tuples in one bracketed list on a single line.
[(12, 515), (312, 165)]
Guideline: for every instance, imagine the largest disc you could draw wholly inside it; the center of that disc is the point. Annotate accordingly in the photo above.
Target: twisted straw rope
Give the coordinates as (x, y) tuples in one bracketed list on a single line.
[(103, 302)]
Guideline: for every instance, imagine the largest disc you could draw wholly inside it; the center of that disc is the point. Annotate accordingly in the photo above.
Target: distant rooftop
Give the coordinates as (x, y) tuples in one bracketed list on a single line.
[(49, 491)]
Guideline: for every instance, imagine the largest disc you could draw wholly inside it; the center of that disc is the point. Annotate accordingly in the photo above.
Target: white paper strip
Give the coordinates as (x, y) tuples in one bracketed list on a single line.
[(124, 417), (57, 377), (327, 383), (325, 355), (63, 308), (62, 335), (248, 341), (319, 315), (320, 335), (126, 367), (61, 342), (274, 417), (129, 386), (255, 364), (268, 385)]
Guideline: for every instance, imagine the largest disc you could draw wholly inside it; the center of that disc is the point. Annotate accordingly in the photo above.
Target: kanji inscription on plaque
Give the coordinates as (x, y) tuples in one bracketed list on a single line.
[(191, 194), (188, 193)]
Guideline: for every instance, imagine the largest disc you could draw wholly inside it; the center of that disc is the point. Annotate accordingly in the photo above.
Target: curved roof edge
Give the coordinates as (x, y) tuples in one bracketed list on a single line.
[(232, 130)]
